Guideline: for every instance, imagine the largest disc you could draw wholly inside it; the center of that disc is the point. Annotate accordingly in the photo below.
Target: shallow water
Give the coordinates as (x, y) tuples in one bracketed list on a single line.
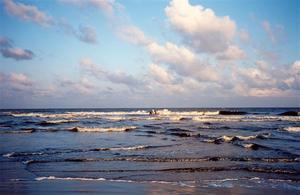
[(129, 151)]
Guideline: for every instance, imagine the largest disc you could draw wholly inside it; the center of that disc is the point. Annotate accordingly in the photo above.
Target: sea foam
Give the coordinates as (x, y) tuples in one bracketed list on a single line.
[(102, 129), (292, 129)]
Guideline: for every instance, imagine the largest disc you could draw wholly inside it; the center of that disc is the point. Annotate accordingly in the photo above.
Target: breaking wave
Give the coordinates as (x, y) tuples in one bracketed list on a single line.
[(51, 152), (56, 122), (180, 183), (292, 129), (102, 129)]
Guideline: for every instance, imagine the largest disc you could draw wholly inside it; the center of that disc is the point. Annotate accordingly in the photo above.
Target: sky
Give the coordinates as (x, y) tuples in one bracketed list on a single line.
[(156, 53)]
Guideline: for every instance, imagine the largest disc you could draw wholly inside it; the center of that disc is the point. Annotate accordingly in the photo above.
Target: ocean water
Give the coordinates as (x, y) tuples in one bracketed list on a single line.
[(185, 151)]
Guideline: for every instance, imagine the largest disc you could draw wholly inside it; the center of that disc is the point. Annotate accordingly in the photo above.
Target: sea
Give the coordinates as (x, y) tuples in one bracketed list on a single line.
[(150, 151)]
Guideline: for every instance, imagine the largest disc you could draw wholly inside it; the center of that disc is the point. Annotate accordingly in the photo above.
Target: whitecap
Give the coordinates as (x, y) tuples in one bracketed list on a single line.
[(292, 129), (102, 129), (8, 155), (180, 183), (61, 121), (69, 178)]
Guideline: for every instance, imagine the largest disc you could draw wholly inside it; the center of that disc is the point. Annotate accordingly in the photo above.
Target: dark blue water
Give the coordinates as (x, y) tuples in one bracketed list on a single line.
[(129, 150)]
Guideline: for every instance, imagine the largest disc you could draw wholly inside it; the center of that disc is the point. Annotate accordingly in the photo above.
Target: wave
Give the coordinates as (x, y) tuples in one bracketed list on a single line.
[(124, 148), (115, 118), (19, 154), (292, 129), (69, 178), (78, 114), (56, 122), (171, 160), (102, 129), (17, 131), (204, 183), (51, 152), (180, 183), (166, 112), (243, 118), (248, 168), (227, 138), (253, 146)]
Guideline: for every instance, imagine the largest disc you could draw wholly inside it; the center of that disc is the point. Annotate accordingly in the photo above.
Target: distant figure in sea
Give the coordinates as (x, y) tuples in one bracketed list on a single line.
[(153, 112)]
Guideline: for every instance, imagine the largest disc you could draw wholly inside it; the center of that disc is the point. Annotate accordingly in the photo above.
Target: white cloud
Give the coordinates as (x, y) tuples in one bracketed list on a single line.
[(201, 28), (171, 54), (133, 35), (262, 65), (183, 61), (232, 53), (160, 74), (117, 77), (82, 86), (32, 13), (27, 12), (20, 79), (293, 79)]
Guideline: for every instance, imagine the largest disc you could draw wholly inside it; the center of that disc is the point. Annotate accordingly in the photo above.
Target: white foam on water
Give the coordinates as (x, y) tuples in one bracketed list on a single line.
[(69, 178), (115, 118), (227, 138), (103, 129), (243, 118), (8, 155), (130, 148), (186, 113), (180, 183), (292, 129), (79, 114), (246, 137), (61, 121), (248, 145)]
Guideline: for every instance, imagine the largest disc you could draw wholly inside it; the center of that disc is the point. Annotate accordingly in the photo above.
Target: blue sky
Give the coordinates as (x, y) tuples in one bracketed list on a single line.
[(159, 53)]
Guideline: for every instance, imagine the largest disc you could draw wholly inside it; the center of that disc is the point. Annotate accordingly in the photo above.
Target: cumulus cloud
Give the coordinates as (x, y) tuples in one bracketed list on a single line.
[(183, 61), (160, 74), (200, 27), (27, 12), (117, 77), (133, 35), (275, 33), (293, 79), (232, 53), (7, 50), (265, 80)]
